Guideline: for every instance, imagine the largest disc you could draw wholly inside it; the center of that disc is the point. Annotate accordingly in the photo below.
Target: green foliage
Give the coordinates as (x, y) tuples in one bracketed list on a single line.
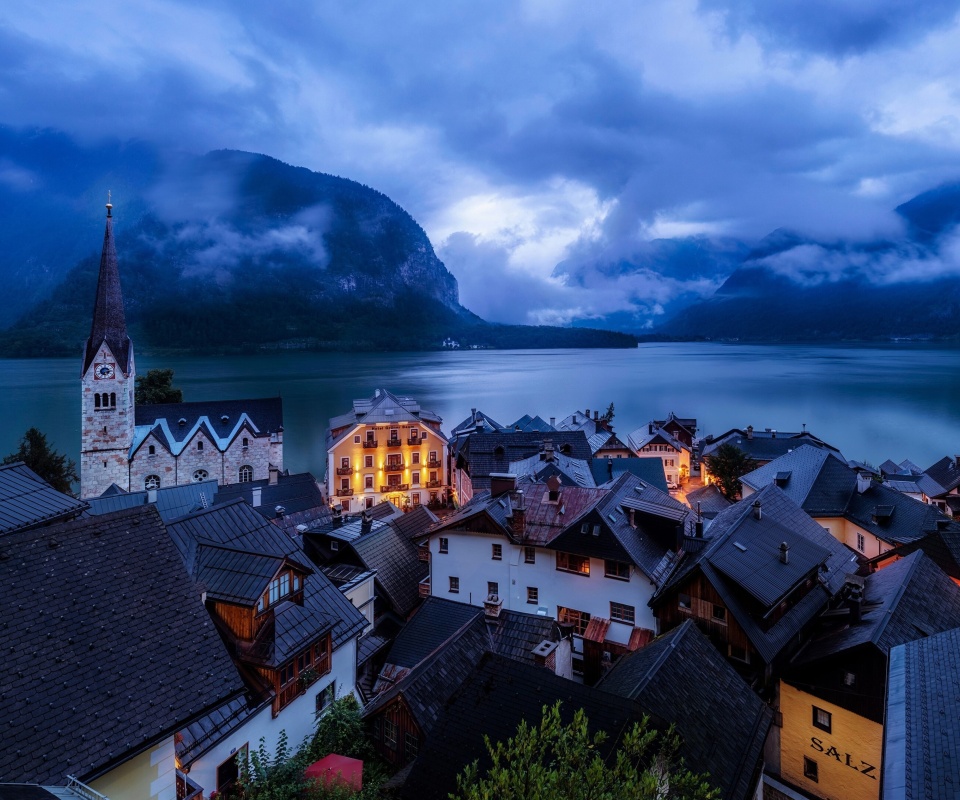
[(550, 760), (55, 468), (157, 387), (727, 465), (608, 414), (340, 730)]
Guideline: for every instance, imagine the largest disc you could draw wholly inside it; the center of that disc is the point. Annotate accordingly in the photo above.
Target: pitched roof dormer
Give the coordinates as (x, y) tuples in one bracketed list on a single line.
[(109, 323)]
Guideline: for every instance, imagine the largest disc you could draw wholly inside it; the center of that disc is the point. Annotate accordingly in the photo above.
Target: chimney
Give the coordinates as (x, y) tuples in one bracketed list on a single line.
[(587, 413), (610, 468), (280, 511), (699, 524), (757, 514), (596, 416), (749, 431), (501, 483), (274, 474), (151, 495), (553, 422), (256, 496), (956, 461), (553, 487), (784, 553), (548, 453), (492, 606), (864, 481), (337, 515), (366, 521), (773, 434), (518, 514), (649, 427)]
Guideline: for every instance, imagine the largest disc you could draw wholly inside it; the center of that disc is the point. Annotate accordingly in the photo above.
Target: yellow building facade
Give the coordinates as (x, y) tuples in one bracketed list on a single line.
[(826, 750)]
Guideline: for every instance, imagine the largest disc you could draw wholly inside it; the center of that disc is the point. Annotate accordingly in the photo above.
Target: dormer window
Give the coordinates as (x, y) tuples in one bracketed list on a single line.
[(279, 587)]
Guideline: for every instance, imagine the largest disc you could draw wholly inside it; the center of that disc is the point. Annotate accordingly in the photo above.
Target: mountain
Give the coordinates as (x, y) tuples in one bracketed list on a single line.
[(225, 252)]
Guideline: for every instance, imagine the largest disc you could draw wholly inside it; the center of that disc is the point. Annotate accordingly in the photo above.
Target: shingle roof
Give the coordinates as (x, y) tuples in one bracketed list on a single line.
[(570, 471), (528, 424), (220, 420), (682, 678), (107, 646), (294, 493), (921, 756), (710, 500), (414, 524), (109, 323), (495, 695), (940, 546), (484, 453), (27, 500), (235, 575), (469, 425), (945, 473), (382, 407), (515, 634), (907, 600), (765, 445), (649, 470), (643, 436), (397, 563), (433, 624), (172, 501)]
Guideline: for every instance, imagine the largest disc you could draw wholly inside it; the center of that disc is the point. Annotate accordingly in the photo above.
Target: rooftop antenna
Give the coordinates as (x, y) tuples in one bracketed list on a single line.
[(109, 205)]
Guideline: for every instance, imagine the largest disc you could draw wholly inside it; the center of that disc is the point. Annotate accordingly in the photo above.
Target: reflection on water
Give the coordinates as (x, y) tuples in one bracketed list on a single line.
[(873, 403)]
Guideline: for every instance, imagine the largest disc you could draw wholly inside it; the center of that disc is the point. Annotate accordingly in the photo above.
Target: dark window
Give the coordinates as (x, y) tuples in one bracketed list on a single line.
[(151, 482), (368, 462), (497, 552), (229, 771), (326, 696), (533, 595), (529, 555), (344, 463), (849, 679), (620, 612), (616, 569), (390, 734), (411, 746), (493, 588), (368, 481), (683, 601), (738, 653), (444, 545), (246, 473), (822, 719), (454, 584), (246, 442), (719, 614), (96, 400), (152, 450), (810, 770), (199, 445), (568, 562), (113, 400)]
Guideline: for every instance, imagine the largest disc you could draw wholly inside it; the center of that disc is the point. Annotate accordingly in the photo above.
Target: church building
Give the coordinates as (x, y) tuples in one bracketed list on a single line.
[(171, 444)]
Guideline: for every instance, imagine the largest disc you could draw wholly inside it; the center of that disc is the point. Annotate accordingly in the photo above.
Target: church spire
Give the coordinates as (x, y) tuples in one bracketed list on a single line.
[(109, 323)]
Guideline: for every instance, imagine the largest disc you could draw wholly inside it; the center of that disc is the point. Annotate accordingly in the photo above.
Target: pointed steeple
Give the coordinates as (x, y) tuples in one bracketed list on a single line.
[(109, 322)]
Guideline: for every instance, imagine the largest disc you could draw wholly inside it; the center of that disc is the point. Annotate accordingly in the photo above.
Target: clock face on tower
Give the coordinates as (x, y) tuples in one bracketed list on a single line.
[(104, 371)]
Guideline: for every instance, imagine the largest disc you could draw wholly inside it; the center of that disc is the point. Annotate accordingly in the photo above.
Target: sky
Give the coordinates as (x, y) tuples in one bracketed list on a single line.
[(527, 135)]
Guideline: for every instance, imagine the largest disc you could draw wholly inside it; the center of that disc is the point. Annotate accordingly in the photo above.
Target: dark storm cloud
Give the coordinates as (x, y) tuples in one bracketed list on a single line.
[(836, 28)]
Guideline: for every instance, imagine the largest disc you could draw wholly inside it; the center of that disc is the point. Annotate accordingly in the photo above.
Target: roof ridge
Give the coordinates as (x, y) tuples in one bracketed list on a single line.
[(897, 596)]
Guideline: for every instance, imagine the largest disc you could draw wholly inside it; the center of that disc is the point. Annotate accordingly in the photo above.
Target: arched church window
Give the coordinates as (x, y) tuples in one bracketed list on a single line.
[(96, 400), (199, 445), (152, 450), (113, 400), (199, 475), (246, 442), (151, 482), (246, 473)]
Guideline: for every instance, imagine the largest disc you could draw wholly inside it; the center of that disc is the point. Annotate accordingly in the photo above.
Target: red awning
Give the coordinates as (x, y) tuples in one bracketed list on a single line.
[(596, 629), (337, 769)]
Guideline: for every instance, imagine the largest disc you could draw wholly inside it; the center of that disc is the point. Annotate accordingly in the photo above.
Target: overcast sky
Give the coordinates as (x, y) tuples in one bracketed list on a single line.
[(525, 134)]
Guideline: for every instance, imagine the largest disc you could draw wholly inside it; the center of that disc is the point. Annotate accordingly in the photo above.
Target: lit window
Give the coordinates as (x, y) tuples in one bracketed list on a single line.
[(246, 473), (616, 569), (151, 482), (415, 497), (533, 595), (529, 555), (493, 588), (497, 554), (444, 545), (433, 455), (822, 719), (810, 770), (570, 616), (199, 475), (344, 463), (619, 612), (568, 562), (454, 584)]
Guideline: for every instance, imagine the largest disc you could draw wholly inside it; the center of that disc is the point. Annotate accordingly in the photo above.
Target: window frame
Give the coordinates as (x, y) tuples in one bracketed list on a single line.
[(443, 545), (245, 474), (529, 555), (563, 563), (811, 769), (454, 584), (573, 616), (496, 551), (620, 566), (625, 614), (533, 595), (493, 588), (151, 482), (824, 723)]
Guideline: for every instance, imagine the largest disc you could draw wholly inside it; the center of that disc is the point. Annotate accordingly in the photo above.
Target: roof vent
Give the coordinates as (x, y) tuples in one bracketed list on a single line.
[(301, 528), (757, 513), (182, 421), (740, 547), (280, 510), (784, 553), (224, 417)]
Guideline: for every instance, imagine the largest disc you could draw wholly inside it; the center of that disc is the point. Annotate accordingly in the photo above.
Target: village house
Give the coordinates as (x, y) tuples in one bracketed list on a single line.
[(856, 509), (941, 485), (148, 447), (589, 558), (756, 583), (651, 441), (831, 697), (386, 448)]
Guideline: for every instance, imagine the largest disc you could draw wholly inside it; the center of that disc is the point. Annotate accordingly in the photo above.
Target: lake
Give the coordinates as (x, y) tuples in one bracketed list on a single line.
[(874, 403)]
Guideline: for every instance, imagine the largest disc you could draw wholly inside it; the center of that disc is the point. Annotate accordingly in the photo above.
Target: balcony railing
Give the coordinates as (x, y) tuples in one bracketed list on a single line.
[(369, 443), (395, 487), (413, 441), (425, 587), (187, 789), (434, 484), (393, 466), (391, 442), (433, 463), (423, 552), (344, 492), (344, 470)]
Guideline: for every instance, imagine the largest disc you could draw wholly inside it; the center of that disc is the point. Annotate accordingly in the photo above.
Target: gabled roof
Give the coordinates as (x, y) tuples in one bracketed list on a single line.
[(172, 501), (527, 424), (765, 445), (109, 323), (436, 621), (484, 453), (495, 695), (294, 493), (940, 546), (415, 523), (643, 436), (709, 498), (221, 421), (681, 677), (570, 471), (237, 576), (921, 754), (779, 512), (905, 601), (476, 419), (107, 647), (397, 563), (27, 500), (649, 470), (945, 474), (382, 408), (515, 634), (826, 487)]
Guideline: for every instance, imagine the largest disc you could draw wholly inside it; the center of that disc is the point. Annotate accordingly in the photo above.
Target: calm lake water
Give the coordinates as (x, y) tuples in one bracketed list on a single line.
[(873, 403)]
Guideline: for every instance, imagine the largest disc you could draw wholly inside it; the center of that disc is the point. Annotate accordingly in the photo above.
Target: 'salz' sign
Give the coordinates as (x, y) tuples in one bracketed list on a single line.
[(844, 758)]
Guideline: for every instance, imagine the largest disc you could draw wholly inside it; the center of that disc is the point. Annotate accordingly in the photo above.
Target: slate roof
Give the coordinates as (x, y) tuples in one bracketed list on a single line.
[(436, 621), (578, 421), (172, 501), (414, 524), (528, 424), (710, 499), (27, 500), (469, 425), (945, 474), (570, 471), (220, 420), (921, 755), (649, 470), (202, 734), (515, 634), (107, 647), (485, 453), (765, 445), (294, 493), (826, 487), (909, 599), (236, 525), (109, 323), (779, 513), (235, 575), (397, 563), (940, 546), (642, 436), (495, 695), (681, 677), (382, 407)]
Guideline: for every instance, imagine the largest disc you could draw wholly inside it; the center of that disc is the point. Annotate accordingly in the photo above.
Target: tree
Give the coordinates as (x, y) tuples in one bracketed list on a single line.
[(551, 760), (727, 465), (157, 387), (55, 468), (608, 414)]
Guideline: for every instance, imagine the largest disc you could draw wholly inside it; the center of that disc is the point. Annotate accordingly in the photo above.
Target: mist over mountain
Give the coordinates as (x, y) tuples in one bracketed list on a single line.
[(222, 252)]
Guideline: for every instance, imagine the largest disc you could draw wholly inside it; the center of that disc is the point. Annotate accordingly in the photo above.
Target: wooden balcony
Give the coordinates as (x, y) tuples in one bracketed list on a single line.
[(344, 492), (344, 470), (435, 464), (434, 484), (369, 444), (423, 552), (393, 466), (394, 442), (395, 487), (413, 441), (425, 587)]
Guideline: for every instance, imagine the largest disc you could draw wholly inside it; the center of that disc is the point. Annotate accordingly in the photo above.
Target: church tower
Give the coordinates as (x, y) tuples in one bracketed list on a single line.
[(107, 381)]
